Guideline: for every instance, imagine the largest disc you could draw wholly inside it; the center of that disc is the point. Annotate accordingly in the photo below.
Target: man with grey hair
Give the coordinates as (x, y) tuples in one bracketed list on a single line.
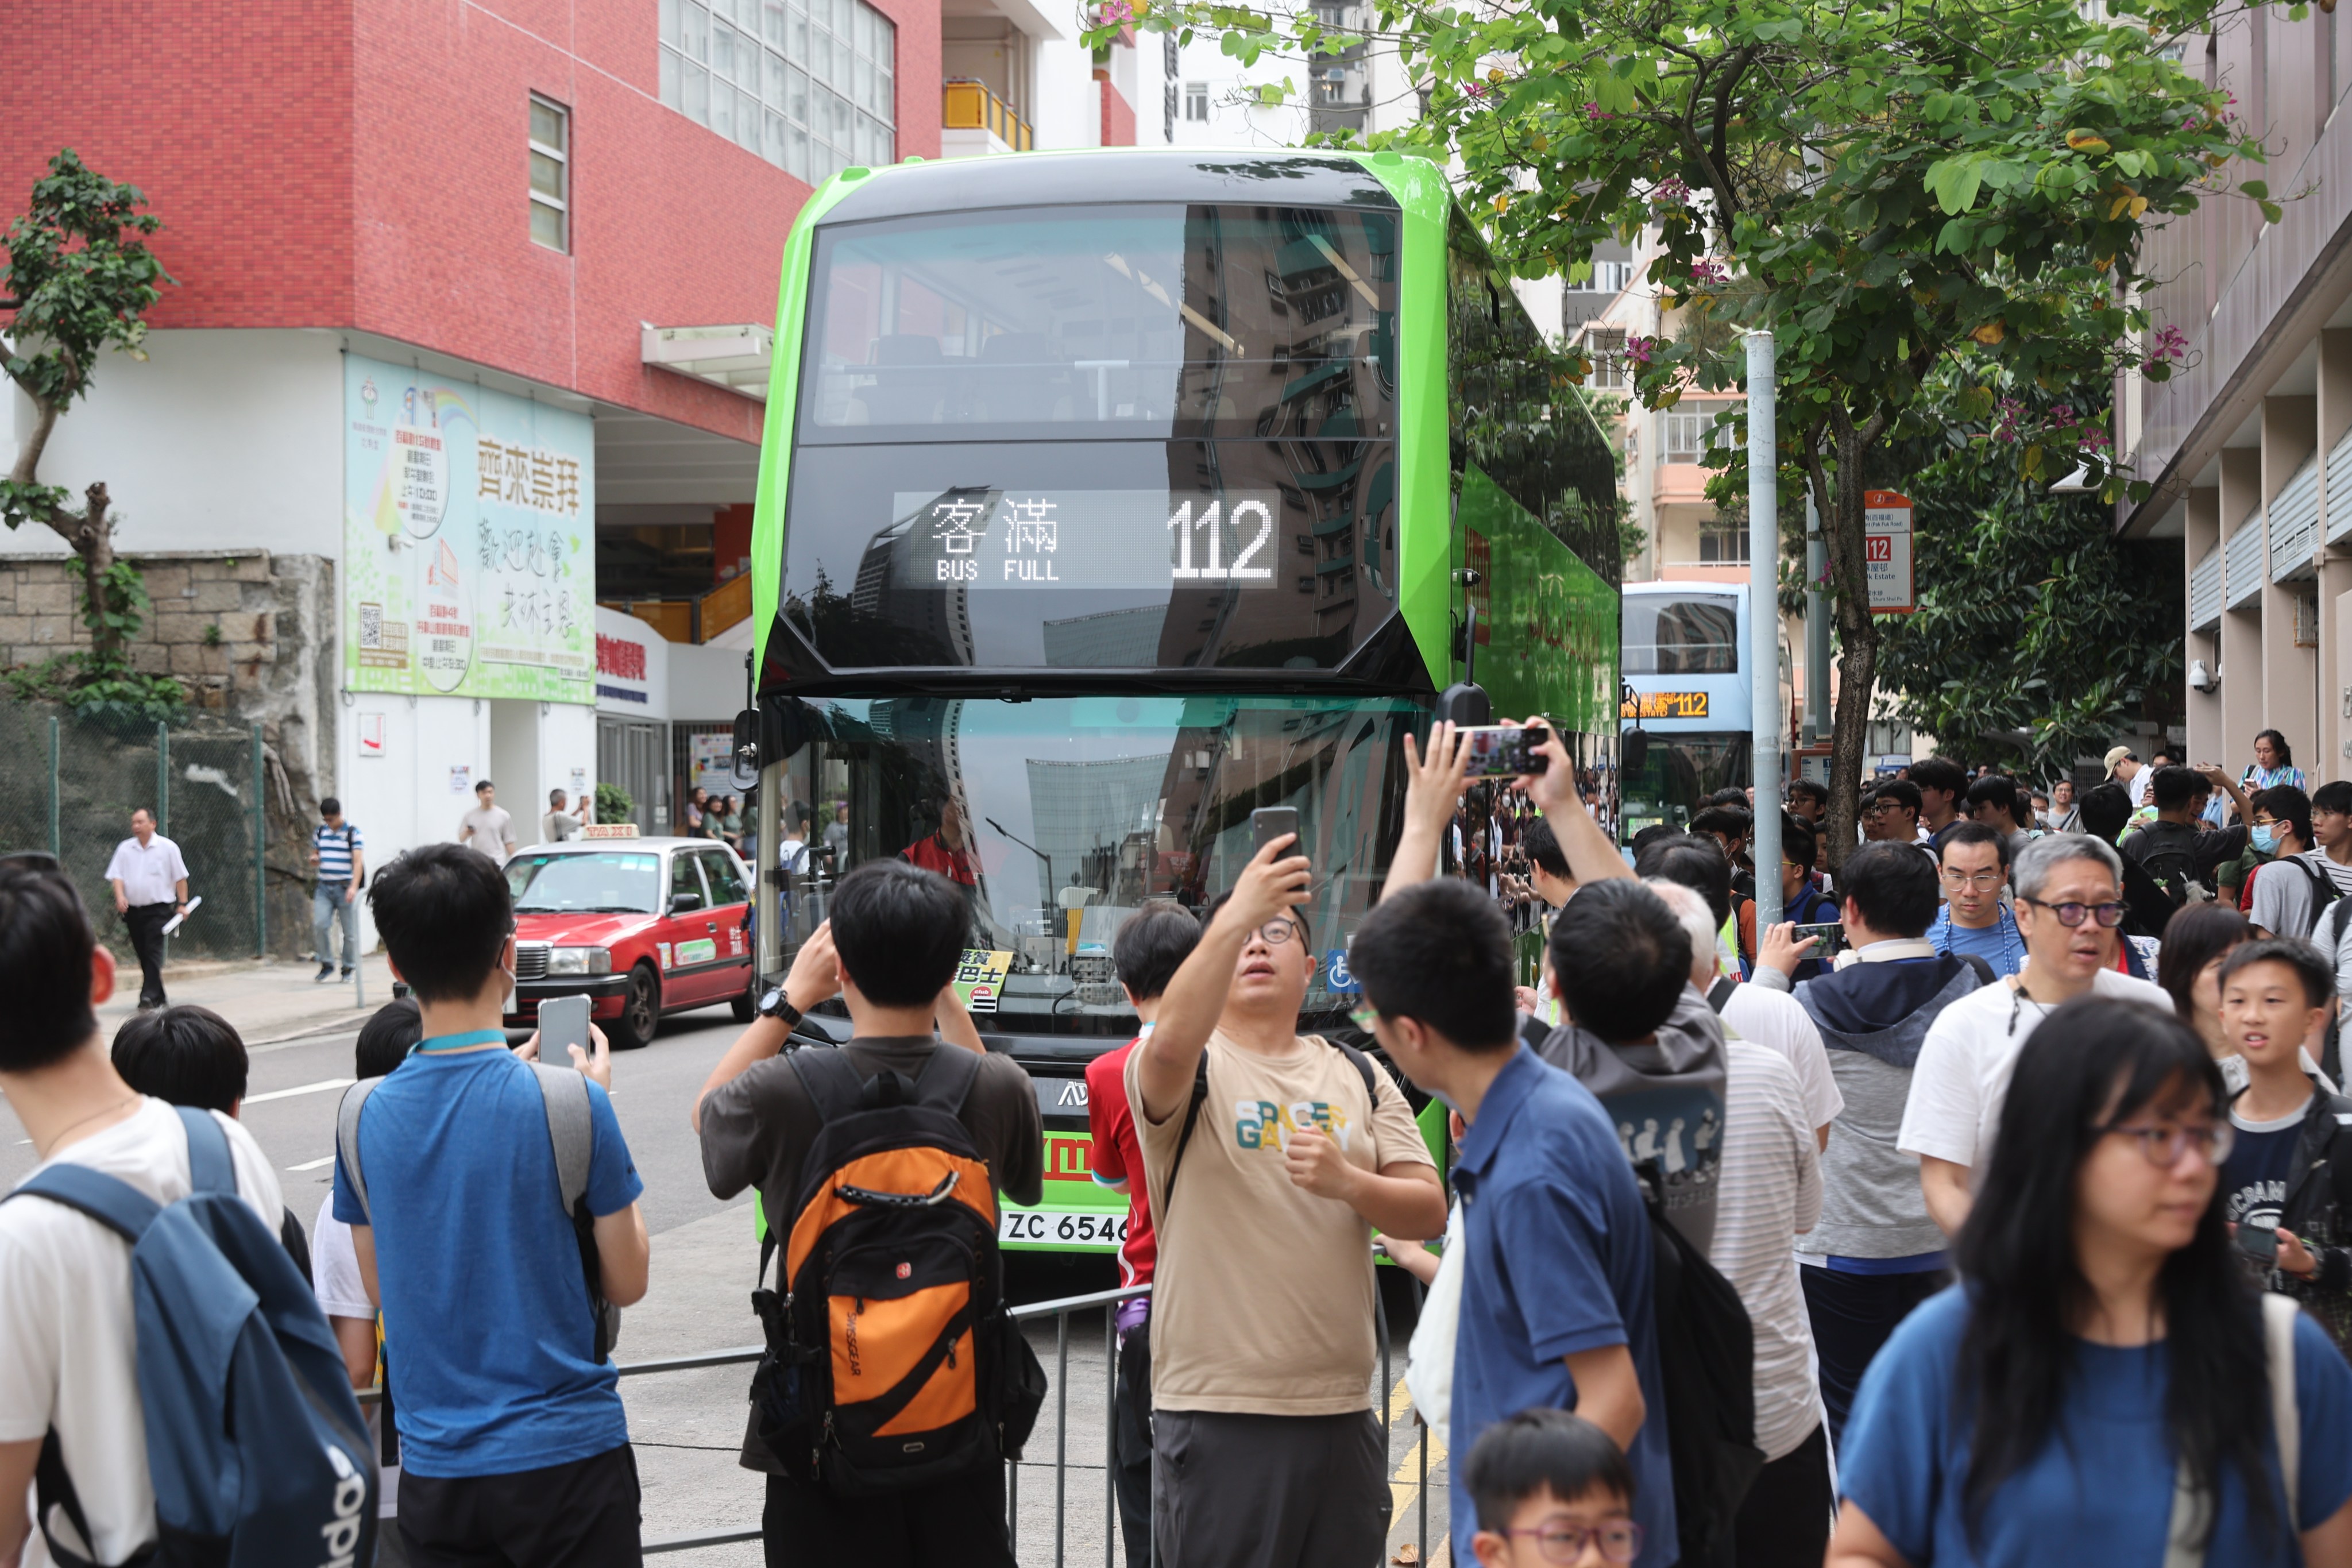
[(2069, 903)]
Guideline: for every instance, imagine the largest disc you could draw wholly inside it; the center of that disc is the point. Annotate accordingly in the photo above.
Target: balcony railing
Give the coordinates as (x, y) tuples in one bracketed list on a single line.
[(2295, 525), (2242, 563), (969, 106), (695, 619)]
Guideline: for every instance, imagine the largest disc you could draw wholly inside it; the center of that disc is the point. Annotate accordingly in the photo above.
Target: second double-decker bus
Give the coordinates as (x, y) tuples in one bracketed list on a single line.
[(1687, 693), (1108, 496)]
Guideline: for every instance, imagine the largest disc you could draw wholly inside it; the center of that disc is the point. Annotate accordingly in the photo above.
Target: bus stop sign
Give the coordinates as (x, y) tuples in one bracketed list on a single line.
[(1887, 552)]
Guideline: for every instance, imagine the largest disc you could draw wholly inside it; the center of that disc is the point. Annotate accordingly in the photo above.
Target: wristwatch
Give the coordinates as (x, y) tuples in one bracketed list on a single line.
[(775, 1004)]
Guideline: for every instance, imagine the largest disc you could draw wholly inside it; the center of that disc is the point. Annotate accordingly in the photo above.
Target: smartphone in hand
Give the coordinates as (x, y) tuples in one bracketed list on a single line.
[(1833, 935), (562, 1021), (1268, 823), (1506, 751)]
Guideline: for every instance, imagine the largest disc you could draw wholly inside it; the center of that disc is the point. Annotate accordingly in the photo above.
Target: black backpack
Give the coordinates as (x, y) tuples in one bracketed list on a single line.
[(2170, 861), (1706, 1361), (891, 1362)]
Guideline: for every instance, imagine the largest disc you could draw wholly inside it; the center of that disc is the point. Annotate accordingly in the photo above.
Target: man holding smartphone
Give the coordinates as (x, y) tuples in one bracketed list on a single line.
[(1266, 1449)]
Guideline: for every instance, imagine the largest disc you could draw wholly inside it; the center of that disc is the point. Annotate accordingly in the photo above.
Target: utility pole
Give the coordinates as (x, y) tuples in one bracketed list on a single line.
[(1817, 626), (1764, 624)]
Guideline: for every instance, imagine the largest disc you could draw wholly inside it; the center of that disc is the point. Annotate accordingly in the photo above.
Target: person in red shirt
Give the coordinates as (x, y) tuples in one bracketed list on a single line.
[(949, 850), (1147, 953)]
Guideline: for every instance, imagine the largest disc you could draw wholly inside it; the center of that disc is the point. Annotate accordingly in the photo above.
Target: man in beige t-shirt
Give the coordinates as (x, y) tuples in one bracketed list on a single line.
[(1266, 1453)]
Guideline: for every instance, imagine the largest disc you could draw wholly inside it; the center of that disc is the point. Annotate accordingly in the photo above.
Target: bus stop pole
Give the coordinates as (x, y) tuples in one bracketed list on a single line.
[(1764, 624)]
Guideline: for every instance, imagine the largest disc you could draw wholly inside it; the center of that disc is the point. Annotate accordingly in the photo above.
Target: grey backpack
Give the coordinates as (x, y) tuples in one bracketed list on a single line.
[(572, 1135)]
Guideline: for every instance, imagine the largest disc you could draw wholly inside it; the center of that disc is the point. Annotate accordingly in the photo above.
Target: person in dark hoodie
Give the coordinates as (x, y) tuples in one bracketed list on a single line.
[(1876, 1254), (1644, 1040)]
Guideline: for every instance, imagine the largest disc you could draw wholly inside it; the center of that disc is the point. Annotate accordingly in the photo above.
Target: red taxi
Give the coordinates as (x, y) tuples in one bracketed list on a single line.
[(642, 926)]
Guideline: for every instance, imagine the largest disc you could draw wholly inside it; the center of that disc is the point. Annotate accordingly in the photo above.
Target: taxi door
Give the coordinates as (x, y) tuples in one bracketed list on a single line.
[(687, 940), (730, 900)]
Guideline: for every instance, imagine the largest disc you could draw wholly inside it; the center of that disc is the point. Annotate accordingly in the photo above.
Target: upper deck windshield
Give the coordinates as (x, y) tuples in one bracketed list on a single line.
[(1061, 817), (1694, 636), (1129, 322)]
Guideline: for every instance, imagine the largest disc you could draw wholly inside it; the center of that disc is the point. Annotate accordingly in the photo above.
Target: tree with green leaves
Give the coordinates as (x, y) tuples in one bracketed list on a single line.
[(2039, 636), (76, 283), (1908, 195)]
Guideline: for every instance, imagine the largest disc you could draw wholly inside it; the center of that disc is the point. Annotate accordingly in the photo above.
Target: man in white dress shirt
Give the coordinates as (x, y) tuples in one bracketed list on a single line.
[(151, 885)]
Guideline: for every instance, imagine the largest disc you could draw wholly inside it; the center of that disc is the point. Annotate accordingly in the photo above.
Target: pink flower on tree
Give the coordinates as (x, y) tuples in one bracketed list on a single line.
[(1638, 349)]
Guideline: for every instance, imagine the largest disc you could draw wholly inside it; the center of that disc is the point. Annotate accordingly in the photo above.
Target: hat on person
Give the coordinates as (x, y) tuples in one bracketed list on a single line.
[(2118, 756)]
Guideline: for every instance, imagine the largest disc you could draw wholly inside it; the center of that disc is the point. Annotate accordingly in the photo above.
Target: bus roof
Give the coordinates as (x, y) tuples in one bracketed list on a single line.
[(1095, 174)]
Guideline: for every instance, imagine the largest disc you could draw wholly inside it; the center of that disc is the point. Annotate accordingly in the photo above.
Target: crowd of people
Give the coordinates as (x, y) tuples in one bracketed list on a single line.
[(1748, 1244)]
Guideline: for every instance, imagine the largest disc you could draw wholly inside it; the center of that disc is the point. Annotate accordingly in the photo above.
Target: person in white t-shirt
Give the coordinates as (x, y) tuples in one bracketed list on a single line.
[(488, 828), (2069, 902), (68, 1341)]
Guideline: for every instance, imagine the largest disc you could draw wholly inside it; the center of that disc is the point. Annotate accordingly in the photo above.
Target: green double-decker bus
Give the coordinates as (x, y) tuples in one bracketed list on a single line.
[(1107, 496)]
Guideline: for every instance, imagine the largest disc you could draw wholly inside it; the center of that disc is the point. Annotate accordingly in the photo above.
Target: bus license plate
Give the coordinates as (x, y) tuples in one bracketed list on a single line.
[(1073, 1228)]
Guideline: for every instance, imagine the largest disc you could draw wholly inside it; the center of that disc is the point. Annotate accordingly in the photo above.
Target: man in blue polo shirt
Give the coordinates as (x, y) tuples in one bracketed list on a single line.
[(513, 1445), (1556, 1297)]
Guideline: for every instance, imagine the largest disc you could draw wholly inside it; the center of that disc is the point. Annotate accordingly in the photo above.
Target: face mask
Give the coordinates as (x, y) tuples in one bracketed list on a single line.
[(2266, 836)]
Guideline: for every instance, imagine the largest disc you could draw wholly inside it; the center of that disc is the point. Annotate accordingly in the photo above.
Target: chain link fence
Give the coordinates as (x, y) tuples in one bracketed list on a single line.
[(69, 782)]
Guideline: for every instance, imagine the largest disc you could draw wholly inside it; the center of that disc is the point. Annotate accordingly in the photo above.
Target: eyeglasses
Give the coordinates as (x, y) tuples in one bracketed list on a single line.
[(1982, 881), (1365, 1017), (1276, 933), (2071, 914), (1619, 1539), (2163, 1144)]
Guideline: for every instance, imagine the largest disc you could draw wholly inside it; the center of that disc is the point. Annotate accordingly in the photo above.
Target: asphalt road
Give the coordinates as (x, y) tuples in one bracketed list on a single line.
[(687, 1426)]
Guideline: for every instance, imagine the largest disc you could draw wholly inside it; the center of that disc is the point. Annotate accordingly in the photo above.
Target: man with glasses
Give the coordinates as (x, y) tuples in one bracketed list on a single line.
[(2069, 903), (1974, 868), (1291, 1152), (1890, 815)]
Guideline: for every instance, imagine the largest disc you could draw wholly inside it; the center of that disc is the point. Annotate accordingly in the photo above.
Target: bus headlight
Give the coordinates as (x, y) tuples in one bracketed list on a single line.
[(579, 961)]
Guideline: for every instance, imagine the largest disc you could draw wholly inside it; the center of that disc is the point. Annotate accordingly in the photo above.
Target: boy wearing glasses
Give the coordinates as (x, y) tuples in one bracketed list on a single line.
[(1552, 1489), (1266, 1449), (2069, 904), (2281, 1176), (1973, 869)]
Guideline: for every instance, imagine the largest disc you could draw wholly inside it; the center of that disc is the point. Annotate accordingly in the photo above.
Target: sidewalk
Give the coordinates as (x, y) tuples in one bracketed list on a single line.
[(269, 1001)]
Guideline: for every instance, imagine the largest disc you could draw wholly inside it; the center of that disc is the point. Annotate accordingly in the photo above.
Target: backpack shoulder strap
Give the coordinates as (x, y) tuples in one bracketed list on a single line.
[(1976, 961), (2338, 918), (947, 1078), (1360, 1062), (1718, 995), (113, 1201), (210, 1167), (829, 1080), (569, 1129), (1184, 1139), (347, 1138), (2279, 1313)]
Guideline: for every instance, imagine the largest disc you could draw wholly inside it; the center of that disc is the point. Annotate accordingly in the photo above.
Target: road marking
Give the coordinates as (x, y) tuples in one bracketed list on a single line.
[(313, 1164), (320, 1087)]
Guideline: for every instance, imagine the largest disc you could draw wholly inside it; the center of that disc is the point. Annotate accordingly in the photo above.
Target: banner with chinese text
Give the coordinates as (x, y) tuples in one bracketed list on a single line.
[(469, 540)]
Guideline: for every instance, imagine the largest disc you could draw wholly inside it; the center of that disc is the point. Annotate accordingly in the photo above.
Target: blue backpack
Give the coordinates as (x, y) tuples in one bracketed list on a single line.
[(255, 1444)]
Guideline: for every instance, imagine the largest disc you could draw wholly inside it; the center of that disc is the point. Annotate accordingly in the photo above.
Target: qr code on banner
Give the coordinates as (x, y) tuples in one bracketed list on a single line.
[(371, 626)]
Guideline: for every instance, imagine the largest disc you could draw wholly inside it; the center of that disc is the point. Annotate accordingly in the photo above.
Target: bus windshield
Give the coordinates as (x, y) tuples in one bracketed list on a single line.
[(1059, 817), (1694, 636), (1108, 320)]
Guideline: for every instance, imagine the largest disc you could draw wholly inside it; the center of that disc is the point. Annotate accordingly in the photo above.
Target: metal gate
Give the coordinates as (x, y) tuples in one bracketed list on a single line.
[(635, 754)]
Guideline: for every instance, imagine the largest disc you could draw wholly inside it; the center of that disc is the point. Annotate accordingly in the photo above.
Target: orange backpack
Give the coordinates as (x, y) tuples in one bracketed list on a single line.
[(891, 1362)]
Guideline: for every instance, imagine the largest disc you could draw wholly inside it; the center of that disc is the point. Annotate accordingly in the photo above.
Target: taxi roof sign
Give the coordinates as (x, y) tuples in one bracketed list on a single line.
[(609, 830)]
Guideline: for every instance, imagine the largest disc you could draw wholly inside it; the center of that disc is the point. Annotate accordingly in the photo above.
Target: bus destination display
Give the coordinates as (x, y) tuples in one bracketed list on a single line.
[(1151, 540)]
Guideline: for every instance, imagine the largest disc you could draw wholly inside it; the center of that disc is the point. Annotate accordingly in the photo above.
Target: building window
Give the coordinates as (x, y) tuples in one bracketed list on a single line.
[(1723, 543), (550, 175), (1691, 432), (1608, 278), (809, 85), (1196, 100), (1607, 347)]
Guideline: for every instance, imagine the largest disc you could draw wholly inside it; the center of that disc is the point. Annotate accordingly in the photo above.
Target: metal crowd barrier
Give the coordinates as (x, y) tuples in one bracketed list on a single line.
[(1059, 1310)]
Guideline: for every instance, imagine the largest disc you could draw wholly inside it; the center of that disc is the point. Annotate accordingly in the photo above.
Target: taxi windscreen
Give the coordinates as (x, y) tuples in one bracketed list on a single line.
[(586, 883)]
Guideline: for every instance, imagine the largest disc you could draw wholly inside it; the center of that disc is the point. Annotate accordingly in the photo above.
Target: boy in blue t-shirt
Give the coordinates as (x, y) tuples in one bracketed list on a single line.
[(513, 1442), (1973, 865)]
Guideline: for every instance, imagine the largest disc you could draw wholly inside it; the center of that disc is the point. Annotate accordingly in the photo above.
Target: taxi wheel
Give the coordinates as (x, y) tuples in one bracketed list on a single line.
[(640, 1011)]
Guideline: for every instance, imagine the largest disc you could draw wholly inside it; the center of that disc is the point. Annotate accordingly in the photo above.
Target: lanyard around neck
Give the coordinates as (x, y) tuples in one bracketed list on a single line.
[(443, 1045)]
